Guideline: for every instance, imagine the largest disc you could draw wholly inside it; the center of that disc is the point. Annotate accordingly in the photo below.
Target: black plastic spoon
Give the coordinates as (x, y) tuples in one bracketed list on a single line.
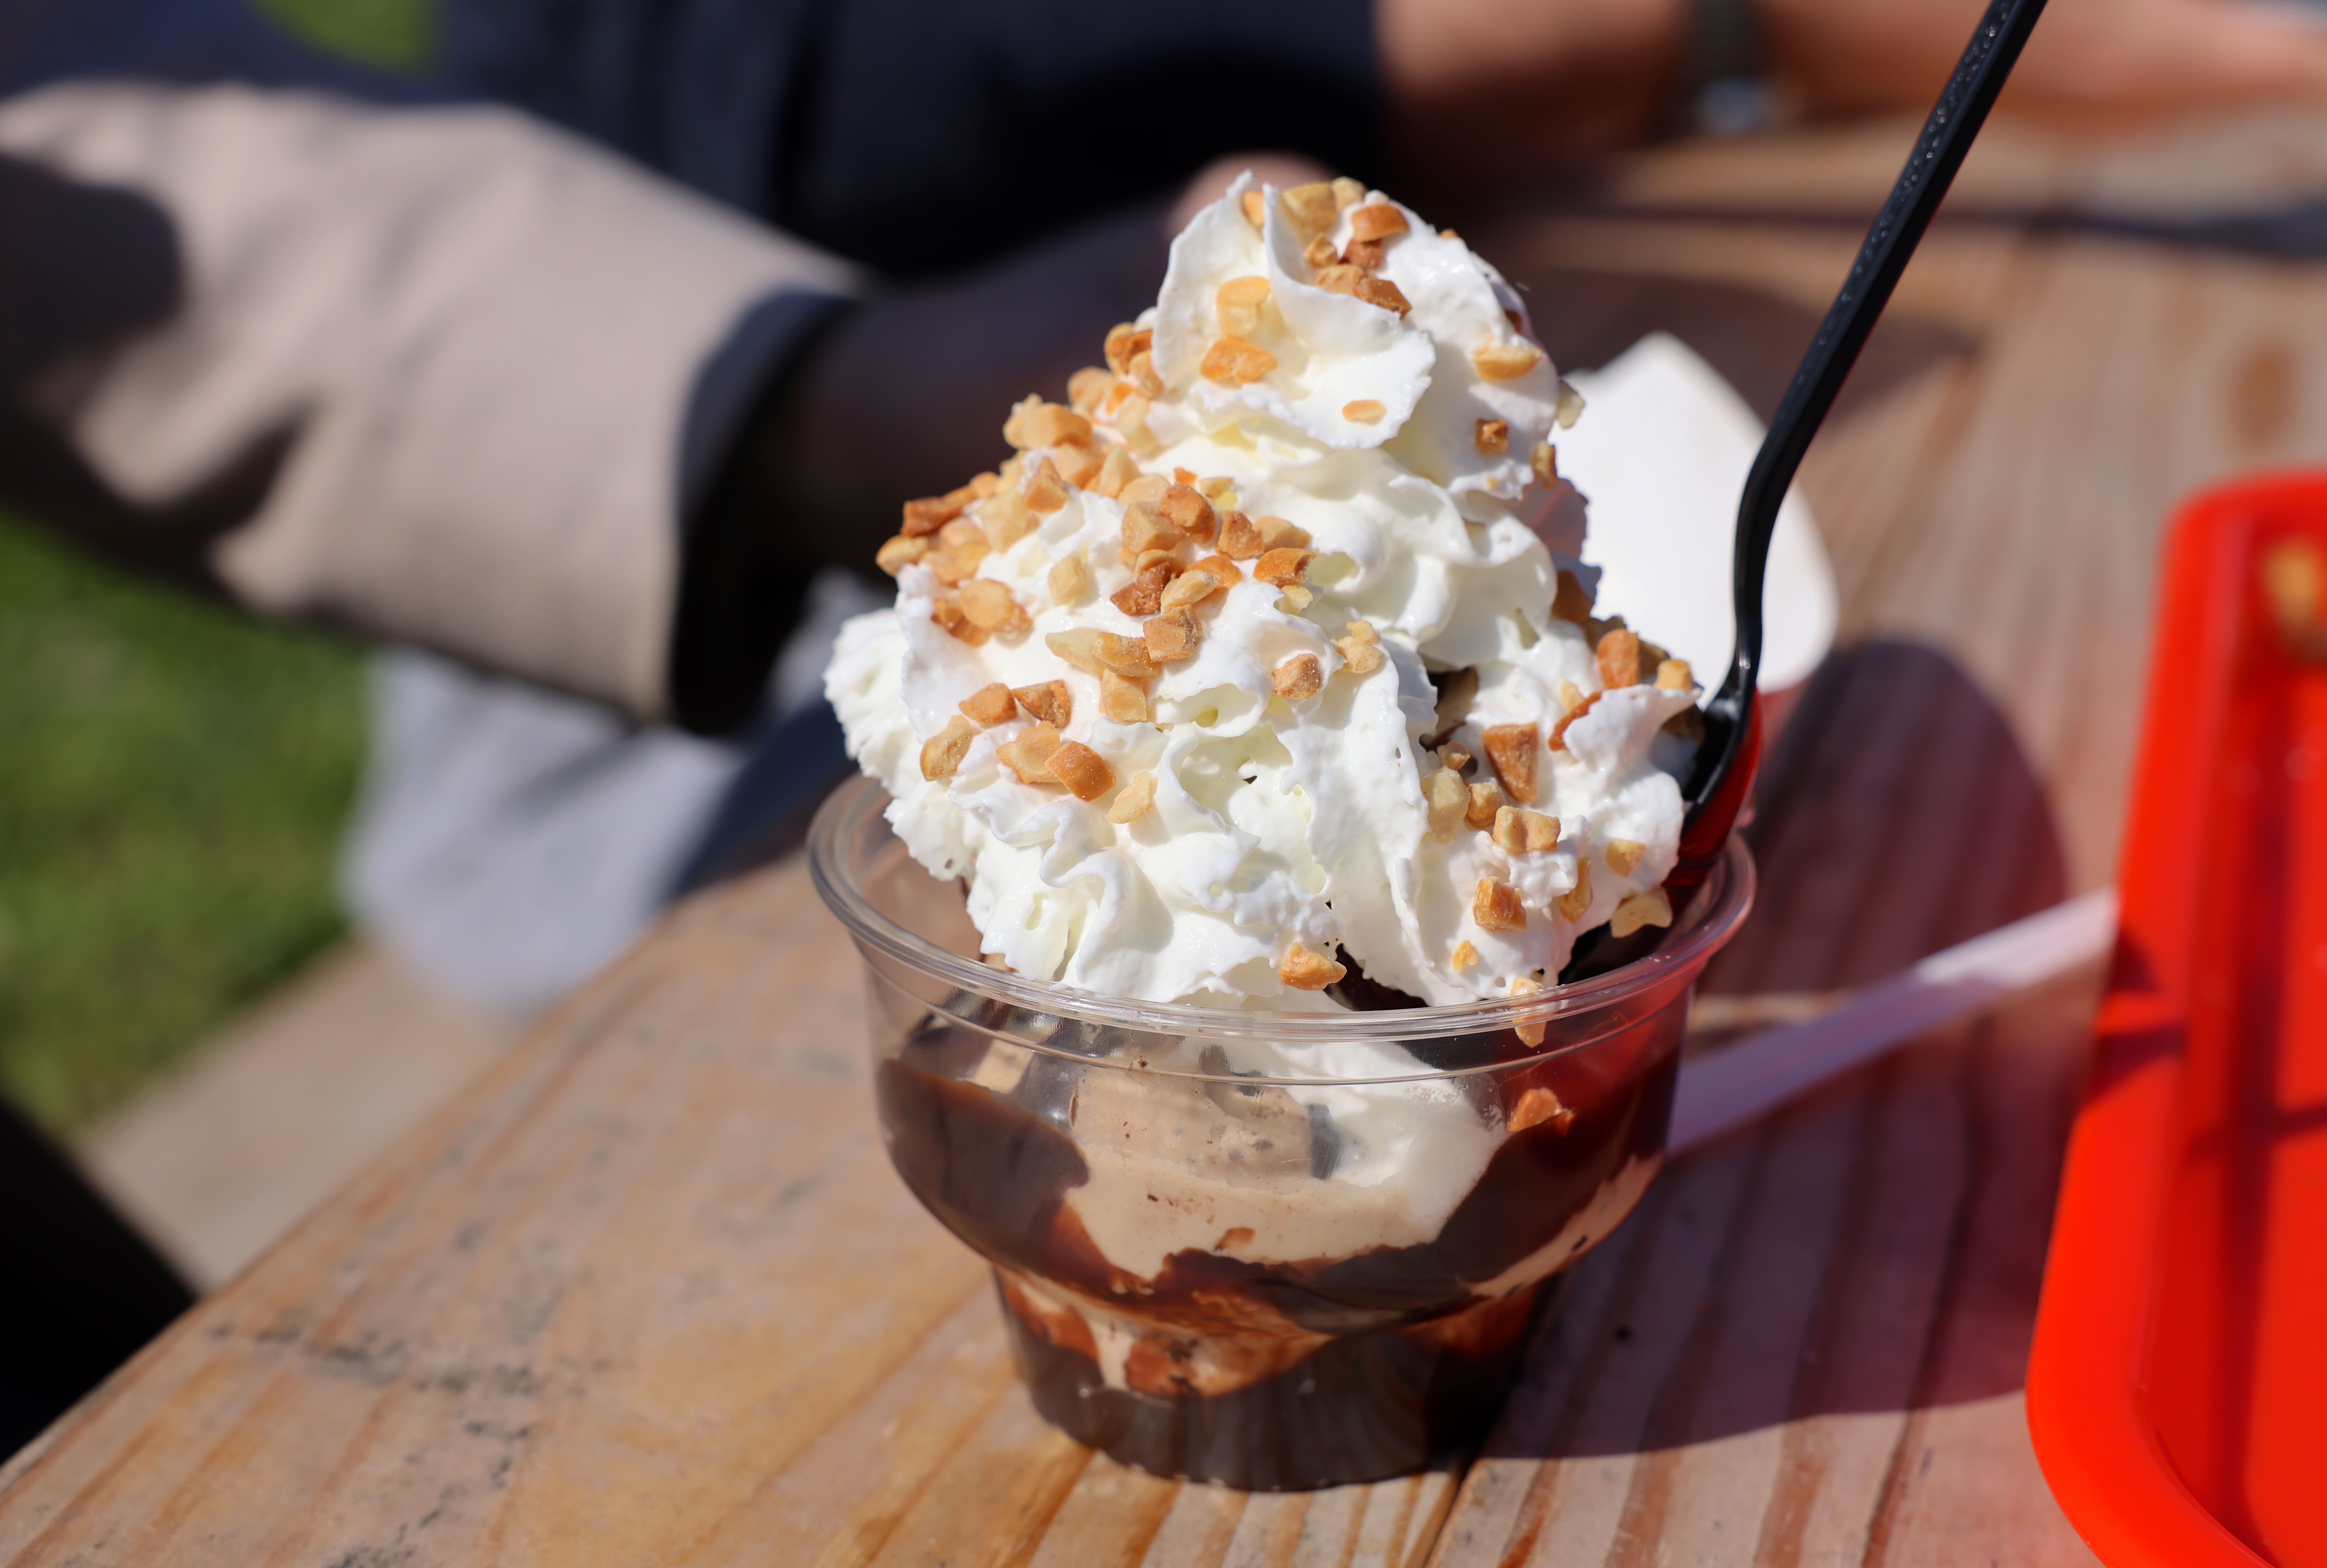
[(1726, 758)]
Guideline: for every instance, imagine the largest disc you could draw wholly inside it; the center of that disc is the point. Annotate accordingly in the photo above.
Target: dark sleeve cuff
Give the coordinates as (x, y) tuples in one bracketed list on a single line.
[(740, 588)]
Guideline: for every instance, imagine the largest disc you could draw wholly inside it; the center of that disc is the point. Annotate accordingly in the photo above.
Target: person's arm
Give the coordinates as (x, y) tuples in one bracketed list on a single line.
[(421, 369)]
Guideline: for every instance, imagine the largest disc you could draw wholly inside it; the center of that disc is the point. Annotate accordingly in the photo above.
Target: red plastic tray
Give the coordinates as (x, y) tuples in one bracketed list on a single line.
[(2177, 1391)]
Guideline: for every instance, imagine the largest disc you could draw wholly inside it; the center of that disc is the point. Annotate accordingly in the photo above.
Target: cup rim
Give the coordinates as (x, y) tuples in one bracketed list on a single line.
[(1728, 894)]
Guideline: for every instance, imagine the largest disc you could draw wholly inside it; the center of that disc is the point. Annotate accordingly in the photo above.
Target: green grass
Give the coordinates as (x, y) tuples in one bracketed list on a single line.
[(174, 781)]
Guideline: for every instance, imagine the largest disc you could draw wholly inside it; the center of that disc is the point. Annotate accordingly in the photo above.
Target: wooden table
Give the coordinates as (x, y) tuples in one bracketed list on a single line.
[(650, 1294)]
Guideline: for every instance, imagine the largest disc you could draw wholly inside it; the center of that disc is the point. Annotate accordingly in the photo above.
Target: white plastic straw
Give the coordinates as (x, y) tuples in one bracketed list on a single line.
[(1729, 1088)]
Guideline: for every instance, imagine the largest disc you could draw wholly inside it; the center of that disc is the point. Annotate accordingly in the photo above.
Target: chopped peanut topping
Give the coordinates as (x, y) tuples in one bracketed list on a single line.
[(1125, 655), (1173, 636), (964, 536), (1239, 540), (1381, 292), (1087, 387), (1623, 855), (1360, 649), (1545, 461), (1123, 699), (1283, 568), (1125, 341), (1045, 491), (1571, 407), (1141, 373), (1082, 770), (1673, 674), (1146, 528), (1298, 597), (1277, 534), (1364, 411), (1573, 903), (984, 485), (1619, 654), (1368, 254), (1144, 594), (1219, 490), (1070, 580), (1029, 756), (1348, 193), (1049, 701), (1447, 801), (989, 706), (1235, 361), (1321, 253), (1256, 208), (1133, 803), (947, 612), (1310, 209), (1651, 907), (1570, 696), (1528, 1030), (1559, 730), (1078, 465), (1239, 304), (1298, 678), (1506, 361), (1341, 278), (1486, 798), (1512, 752), (1491, 436), (900, 553), (1495, 906), (1463, 956), (989, 604), (1190, 589), (1034, 423), (1223, 570), (1131, 424), (1116, 472), (1378, 220), (1009, 517), (942, 752), (1190, 512), (1540, 1105), (1146, 490), (1570, 603), (1306, 969), (1518, 831), (1078, 647), (930, 513)]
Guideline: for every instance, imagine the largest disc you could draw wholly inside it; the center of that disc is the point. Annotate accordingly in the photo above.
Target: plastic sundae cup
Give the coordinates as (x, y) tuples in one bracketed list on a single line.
[(1274, 1280)]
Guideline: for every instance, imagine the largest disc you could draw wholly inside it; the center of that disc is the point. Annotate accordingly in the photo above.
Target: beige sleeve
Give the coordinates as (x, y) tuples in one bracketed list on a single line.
[(432, 372)]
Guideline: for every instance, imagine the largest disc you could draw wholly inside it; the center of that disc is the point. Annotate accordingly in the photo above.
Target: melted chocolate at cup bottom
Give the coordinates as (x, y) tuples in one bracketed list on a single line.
[(1370, 1356)]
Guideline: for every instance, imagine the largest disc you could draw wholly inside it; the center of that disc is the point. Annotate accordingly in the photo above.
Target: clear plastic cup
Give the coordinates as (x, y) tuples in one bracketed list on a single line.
[(1314, 1271)]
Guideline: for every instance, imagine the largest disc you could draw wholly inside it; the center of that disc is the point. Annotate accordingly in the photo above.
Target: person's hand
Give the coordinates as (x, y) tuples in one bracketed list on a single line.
[(2092, 64)]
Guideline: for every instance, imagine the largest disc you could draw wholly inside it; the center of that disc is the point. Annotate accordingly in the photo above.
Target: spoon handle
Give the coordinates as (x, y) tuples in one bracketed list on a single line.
[(1930, 168)]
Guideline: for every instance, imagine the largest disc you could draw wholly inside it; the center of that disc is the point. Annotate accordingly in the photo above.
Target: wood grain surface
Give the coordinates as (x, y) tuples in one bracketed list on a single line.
[(650, 1294)]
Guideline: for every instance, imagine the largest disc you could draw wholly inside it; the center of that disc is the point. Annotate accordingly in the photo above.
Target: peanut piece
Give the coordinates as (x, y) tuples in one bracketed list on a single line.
[(1378, 220), (1306, 969), (900, 553), (1495, 906), (930, 513), (1540, 1105), (1125, 341), (1190, 512), (1033, 423), (1506, 361), (989, 604), (1381, 292), (1077, 465), (1123, 699), (1133, 803), (1190, 589), (1321, 253), (1528, 1030), (1623, 855), (1144, 594), (942, 752), (1118, 470), (989, 706), (1236, 361), (1511, 751), (1491, 436), (1046, 490), (1282, 567), (1125, 655), (947, 612), (1559, 730), (1049, 701), (1087, 387), (1348, 193), (1009, 517), (1298, 678), (1223, 571), (1363, 655), (1341, 278), (1573, 903), (1447, 801), (1082, 770), (1310, 209), (1518, 831), (1070, 580), (1254, 206), (1029, 756), (1486, 800), (1277, 533), (1544, 463), (1673, 674), (1173, 637), (1651, 907), (1571, 407), (1146, 528), (1364, 411), (1368, 254), (1239, 540), (1463, 956), (1239, 304), (1618, 655)]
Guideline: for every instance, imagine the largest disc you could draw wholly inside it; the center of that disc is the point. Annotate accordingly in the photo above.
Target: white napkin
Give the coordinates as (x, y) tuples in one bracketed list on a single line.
[(1661, 455)]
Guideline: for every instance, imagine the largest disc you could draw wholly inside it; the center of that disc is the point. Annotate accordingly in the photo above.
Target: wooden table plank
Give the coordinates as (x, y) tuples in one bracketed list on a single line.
[(650, 1292)]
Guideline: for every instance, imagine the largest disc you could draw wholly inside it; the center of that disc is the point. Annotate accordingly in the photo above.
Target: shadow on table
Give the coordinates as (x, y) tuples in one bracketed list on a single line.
[(1878, 1246)]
